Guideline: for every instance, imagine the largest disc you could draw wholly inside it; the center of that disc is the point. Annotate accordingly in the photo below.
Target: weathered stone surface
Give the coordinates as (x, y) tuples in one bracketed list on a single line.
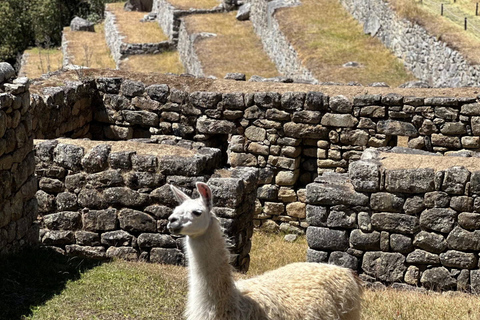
[(343, 259), (316, 256), (423, 257), (212, 126), (413, 205), (475, 281), (455, 179), (384, 266), (158, 92), (91, 198), (339, 120), (365, 241), (125, 253), (438, 219), (287, 178), (316, 215), (436, 199), (365, 175), (68, 156), (305, 131), (149, 240), (58, 238), (131, 88), (469, 220), (462, 204), (341, 217), (395, 222), (6, 72), (396, 128), (66, 201), (384, 201), (463, 240), (79, 24), (354, 137), (125, 197), (319, 238), (329, 191), (412, 275), (296, 210), (100, 220), (410, 180), (438, 279), (117, 238), (89, 252), (96, 159), (445, 141), (227, 192), (292, 100), (51, 185), (121, 160), (305, 116), (340, 104), (87, 238), (400, 243), (430, 241), (141, 118), (167, 256), (458, 259), (136, 221), (66, 220)]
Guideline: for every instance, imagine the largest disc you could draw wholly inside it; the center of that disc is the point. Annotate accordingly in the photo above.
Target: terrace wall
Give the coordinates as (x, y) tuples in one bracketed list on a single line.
[(409, 227), (429, 59), (18, 205)]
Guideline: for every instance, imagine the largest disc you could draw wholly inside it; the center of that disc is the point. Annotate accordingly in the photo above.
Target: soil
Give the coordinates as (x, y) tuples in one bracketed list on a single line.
[(393, 161), (158, 150), (190, 84)]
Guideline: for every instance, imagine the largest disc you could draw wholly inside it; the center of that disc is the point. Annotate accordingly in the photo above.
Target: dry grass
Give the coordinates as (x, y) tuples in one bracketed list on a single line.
[(326, 36), (41, 61), (89, 49), (129, 25), (194, 4), (236, 48), (168, 61), (441, 27)]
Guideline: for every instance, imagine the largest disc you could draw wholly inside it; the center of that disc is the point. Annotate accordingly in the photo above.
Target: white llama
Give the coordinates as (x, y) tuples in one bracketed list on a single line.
[(299, 291)]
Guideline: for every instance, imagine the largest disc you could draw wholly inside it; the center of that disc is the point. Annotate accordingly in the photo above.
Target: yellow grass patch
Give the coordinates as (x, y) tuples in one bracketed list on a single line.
[(129, 25), (164, 62), (89, 49), (194, 4), (235, 48), (41, 61), (326, 36)]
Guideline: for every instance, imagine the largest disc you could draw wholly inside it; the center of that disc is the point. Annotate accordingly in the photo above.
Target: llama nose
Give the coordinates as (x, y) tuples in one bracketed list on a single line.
[(174, 224)]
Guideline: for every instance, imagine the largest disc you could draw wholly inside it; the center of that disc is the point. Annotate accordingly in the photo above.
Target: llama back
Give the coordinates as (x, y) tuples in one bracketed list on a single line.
[(306, 291)]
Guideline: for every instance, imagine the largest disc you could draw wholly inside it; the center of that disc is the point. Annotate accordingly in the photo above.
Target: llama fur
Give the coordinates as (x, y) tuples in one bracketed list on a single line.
[(298, 291)]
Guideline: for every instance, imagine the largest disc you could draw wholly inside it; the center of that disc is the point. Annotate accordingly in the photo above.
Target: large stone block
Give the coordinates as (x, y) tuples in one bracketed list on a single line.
[(126, 197), (330, 191), (365, 175), (88, 252), (136, 221), (212, 126), (455, 179), (423, 257), (125, 253), (100, 220), (463, 240), (384, 266), (339, 120), (316, 215), (395, 222), (438, 219), (305, 131), (96, 159), (396, 128), (167, 256), (117, 238), (384, 201), (458, 259), (469, 220), (66, 220), (438, 279), (319, 238), (410, 180), (68, 156), (365, 241), (343, 259), (430, 241)]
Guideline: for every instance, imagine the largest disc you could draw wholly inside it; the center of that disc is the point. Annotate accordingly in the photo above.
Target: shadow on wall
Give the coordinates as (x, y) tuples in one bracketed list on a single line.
[(34, 276)]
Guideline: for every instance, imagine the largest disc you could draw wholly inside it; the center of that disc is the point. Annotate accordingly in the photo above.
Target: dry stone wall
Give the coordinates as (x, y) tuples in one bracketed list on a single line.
[(409, 227), (98, 202), (18, 206), (428, 58)]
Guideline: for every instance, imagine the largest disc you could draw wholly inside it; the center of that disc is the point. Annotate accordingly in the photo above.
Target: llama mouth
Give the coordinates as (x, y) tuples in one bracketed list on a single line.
[(174, 229)]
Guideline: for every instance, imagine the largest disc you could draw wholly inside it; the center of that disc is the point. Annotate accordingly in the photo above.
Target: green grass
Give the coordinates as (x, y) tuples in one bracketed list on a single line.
[(41, 61), (40, 285)]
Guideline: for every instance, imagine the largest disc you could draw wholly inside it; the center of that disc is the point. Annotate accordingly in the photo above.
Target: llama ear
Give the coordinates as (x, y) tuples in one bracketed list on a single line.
[(179, 194), (206, 194)]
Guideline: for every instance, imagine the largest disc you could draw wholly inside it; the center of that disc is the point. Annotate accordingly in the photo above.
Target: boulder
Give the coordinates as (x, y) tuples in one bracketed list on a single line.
[(139, 5), (384, 266), (79, 24), (243, 12), (438, 279), (6, 72)]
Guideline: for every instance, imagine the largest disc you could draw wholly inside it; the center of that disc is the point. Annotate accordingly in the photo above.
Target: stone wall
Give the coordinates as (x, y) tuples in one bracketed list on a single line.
[(275, 44), (121, 50), (188, 54), (18, 206), (428, 58), (102, 200), (409, 227)]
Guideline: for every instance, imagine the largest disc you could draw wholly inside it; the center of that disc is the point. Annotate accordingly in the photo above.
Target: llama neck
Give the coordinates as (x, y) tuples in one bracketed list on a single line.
[(211, 286)]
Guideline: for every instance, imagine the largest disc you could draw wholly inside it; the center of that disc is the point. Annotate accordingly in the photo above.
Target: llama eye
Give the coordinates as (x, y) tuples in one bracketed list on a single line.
[(197, 213)]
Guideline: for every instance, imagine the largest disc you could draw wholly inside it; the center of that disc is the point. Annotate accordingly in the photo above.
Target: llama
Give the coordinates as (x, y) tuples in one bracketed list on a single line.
[(299, 291)]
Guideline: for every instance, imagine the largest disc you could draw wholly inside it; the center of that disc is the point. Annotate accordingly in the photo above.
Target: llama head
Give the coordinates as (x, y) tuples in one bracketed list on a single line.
[(192, 217)]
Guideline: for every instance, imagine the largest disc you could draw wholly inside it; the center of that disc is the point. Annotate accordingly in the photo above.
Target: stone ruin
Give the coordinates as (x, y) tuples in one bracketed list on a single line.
[(288, 155)]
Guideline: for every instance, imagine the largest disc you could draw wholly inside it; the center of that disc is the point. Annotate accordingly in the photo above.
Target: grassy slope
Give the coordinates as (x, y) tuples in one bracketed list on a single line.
[(326, 36), (41, 61), (128, 290), (235, 48), (164, 62)]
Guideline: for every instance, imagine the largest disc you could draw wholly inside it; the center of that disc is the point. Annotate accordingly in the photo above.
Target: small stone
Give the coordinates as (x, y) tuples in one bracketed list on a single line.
[(290, 237)]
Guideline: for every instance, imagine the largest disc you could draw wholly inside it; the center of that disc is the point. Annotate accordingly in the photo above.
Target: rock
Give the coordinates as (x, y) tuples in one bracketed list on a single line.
[(96, 159), (6, 72), (430, 241), (139, 5), (58, 238), (316, 215), (296, 210), (167, 256), (68, 156), (400, 243), (475, 281), (365, 241), (396, 128), (79, 24), (66, 220), (318, 256), (423, 257), (270, 226), (469, 220), (100, 220), (88, 252), (365, 175), (458, 259), (462, 204), (415, 84), (463, 240), (51, 185), (290, 237), (117, 238), (412, 276), (410, 180), (66, 201), (438, 279), (339, 120), (305, 131), (438, 219), (341, 217), (343, 259), (319, 238), (136, 221), (243, 12), (124, 196), (413, 205), (330, 191), (437, 199), (125, 253), (130, 88), (384, 266), (455, 179), (340, 104), (87, 238), (384, 201), (236, 75), (395, 222)]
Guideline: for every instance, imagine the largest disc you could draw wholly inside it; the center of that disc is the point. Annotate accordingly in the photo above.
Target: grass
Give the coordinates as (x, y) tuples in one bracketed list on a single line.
[(41, 61), (443, 28), (41, 286), (129, 25), (235, 48), (194, 4), (89, 49), (164, 62), (326, 36)]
